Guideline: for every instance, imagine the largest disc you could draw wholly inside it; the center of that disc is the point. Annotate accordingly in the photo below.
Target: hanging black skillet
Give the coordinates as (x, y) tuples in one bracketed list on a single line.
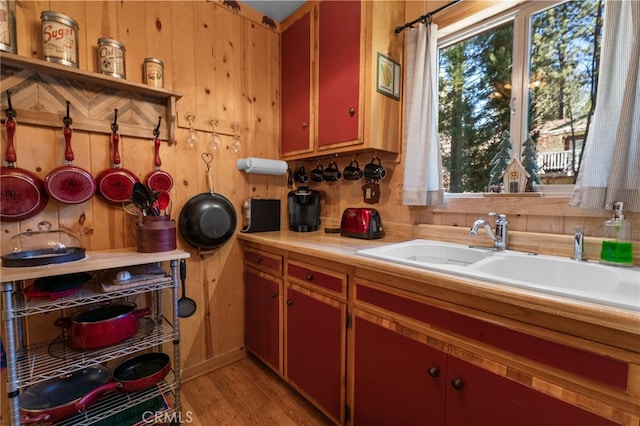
[(208, 220)]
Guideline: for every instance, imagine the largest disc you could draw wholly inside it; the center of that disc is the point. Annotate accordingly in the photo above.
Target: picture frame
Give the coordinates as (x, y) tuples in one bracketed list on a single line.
[(388, 77)]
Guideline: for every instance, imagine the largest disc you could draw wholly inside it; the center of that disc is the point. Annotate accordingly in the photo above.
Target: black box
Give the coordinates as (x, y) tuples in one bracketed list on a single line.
[(261, 215)]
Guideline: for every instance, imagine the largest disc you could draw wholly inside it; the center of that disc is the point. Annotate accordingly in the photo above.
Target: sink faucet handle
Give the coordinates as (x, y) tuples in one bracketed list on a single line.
[(500, 218)]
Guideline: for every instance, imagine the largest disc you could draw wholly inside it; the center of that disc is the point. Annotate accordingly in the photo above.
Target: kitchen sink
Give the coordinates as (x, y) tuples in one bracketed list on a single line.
[(584, 280), (426, 252)]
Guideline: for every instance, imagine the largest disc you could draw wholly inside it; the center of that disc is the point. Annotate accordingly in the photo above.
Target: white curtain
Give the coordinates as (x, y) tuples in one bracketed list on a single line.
[(422, 164), (610, 169)]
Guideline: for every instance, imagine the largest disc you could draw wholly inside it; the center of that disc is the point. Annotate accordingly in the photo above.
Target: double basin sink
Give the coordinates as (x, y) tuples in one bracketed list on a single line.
[(585, 280)]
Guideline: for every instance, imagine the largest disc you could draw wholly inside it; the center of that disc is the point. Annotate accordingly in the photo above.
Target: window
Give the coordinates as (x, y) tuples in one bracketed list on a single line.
[(531, 72)]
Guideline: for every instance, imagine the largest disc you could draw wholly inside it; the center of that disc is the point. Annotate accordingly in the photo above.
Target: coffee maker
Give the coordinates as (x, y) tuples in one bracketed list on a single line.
[(304, 209)]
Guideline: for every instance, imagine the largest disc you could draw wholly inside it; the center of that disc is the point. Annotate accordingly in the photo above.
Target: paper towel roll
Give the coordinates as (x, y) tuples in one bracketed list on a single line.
[(262, 166)]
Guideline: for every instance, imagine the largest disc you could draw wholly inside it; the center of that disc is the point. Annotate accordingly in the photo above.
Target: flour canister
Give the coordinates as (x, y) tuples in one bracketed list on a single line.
[(111, 60), (153, 72), (59, 38), (8, 26)]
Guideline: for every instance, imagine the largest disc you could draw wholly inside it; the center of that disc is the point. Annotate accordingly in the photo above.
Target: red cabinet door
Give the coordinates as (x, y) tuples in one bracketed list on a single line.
[(262, 318), (314, 347), (397, 380), (338, 71), (482, 398), (296, 87)]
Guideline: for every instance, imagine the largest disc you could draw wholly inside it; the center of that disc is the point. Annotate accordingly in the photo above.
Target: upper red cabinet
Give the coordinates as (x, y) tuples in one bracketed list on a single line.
[(330, 104)]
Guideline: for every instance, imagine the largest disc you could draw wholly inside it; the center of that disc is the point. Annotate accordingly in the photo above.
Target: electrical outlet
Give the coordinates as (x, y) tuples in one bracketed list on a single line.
[(398, 197)]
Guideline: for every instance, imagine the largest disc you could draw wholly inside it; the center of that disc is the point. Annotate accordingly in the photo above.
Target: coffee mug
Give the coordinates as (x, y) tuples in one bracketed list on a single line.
[(331, 173), (374, 171), (352, 172), (316, 174), (301, 175)]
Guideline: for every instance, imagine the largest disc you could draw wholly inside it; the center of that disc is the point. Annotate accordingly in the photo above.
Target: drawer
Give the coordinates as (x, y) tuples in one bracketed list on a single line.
[(263, 260), (309, 274), (609, 371)]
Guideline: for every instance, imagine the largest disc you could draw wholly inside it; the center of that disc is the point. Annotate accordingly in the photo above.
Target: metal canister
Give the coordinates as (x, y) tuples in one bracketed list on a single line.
[(8, 26), (111, 60), (59, 38), (153, 72)]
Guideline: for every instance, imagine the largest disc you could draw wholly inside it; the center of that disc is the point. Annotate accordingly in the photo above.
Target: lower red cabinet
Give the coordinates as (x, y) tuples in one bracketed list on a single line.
[(262, 316), (397, 380), (314, 349)]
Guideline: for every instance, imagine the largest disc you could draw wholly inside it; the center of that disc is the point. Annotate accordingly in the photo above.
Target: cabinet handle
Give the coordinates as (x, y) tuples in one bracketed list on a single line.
[(309, 277), (352, 112), (258, 259), (289, 302), (457, 384), (434, 371), (274, 295), (305, 125)]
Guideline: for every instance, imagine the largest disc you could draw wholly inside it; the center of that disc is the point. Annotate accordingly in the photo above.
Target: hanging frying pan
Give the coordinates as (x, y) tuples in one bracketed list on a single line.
[(115, 185), (69, 184), (208, 220), (158, 180), (22, 193)]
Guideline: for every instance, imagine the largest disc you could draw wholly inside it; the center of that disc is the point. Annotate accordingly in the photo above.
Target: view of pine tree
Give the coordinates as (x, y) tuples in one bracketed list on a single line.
[(501, 160), (471, 116), (475, 84), (562, 61)]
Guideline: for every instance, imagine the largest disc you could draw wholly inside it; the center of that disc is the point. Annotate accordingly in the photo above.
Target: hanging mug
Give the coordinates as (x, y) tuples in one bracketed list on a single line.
[(352, 172), (301, 175), (316, 174), (331, 173), (373, 171)]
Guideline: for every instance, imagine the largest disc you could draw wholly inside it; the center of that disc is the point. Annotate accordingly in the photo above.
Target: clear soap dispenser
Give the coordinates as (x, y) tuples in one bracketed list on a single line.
[(616, 247)]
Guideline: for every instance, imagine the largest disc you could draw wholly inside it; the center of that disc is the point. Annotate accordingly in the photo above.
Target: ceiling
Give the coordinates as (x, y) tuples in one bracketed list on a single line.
[(276, 9)]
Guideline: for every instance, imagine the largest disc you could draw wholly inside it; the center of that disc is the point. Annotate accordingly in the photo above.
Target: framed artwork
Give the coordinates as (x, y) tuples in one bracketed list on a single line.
[(388, 77)]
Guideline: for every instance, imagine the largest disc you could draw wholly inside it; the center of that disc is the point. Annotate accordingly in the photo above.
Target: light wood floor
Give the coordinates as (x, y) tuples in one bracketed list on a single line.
[(246, 393)]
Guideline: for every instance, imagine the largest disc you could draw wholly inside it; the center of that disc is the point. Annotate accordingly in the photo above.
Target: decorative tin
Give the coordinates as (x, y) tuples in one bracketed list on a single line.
[(59, 38), (153, 72), (8, 26), (111, 60)]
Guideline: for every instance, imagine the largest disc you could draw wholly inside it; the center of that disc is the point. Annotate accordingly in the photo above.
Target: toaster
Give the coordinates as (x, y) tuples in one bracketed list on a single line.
[(361, 223)]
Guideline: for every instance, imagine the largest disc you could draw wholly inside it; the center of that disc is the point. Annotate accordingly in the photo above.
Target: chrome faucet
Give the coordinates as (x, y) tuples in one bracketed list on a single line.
[(578, 243), (500, 236)]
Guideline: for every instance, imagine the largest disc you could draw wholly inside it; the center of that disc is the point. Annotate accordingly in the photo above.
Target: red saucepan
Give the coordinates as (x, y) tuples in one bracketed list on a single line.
[(115, 185), (69, 184), (22, 193), (135, 374), (55, 399), (158, 180), (102, 326)]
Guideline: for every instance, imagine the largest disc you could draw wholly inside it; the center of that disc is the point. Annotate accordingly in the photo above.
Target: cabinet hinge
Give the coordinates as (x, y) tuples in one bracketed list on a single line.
[(347, 413), (348, 319)]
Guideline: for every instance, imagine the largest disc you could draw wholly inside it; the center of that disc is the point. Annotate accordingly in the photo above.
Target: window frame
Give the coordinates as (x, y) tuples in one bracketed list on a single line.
[(482, 21)]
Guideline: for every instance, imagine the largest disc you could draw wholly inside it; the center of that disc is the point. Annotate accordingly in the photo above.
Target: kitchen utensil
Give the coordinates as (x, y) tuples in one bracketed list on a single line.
[(208, 220), (22, 193), (115, 185), (331, 172), (316, 174), (140, 197), (42, 247), (102, 326), (57, 286), (374, 170), (163, 201), (55, 399), (69, 184), (158, 180), (352, 172), (301, 175), (186, 306), (135, 374)]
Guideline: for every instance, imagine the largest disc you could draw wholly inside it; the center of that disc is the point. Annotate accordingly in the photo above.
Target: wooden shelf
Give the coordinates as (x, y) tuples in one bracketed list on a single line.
[(94, 96)]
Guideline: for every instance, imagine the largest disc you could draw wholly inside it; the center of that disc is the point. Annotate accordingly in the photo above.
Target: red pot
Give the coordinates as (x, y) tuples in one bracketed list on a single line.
[(102, 326)]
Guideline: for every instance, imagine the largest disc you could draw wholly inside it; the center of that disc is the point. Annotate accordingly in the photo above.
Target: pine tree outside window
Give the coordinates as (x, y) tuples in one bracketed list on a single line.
[(530, 71)]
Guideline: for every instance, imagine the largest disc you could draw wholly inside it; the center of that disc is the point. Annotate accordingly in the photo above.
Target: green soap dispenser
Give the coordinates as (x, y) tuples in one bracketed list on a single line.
[(616, 247)]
